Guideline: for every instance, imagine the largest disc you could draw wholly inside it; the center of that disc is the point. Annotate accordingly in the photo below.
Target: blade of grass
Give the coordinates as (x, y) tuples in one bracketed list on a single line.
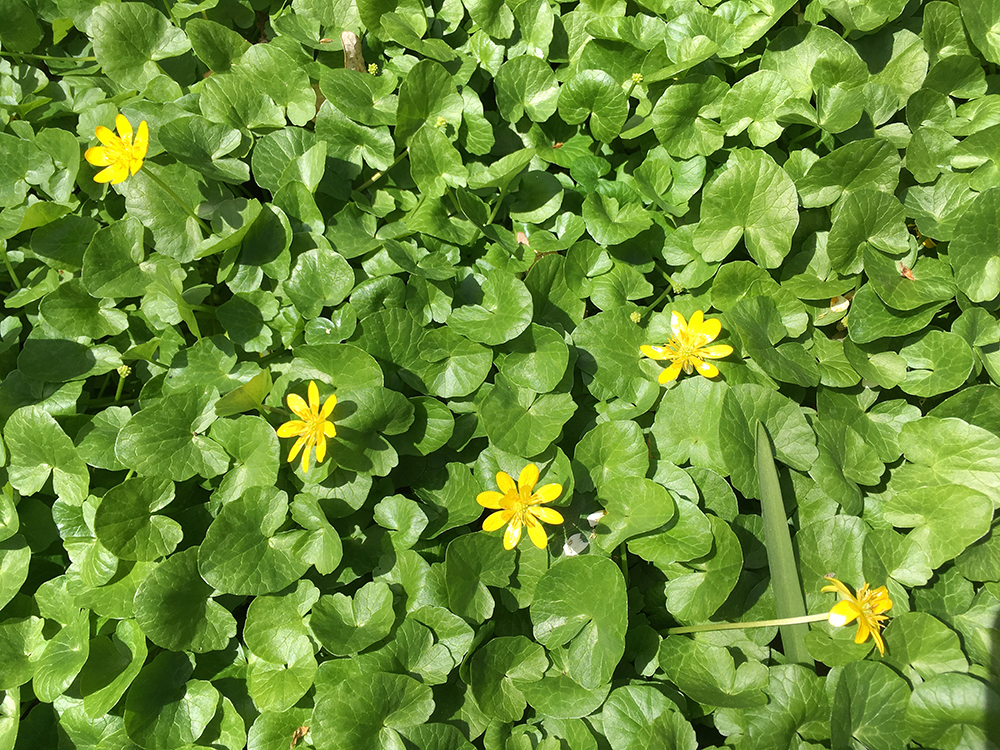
[(785, 582)]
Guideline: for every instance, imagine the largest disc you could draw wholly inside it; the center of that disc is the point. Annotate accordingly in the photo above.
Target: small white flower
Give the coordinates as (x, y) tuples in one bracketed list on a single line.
[(595, 518), (575, 545)]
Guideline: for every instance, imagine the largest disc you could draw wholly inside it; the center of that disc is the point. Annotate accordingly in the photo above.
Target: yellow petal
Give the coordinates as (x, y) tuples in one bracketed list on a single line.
[(836, 585), (320, 448), (490, 499), (305, 460), (843, 613), (329, 429), (124, 127), (313, 397), (863, 631), (114, 174), (696, 323), (546, 493), (296, 448), (495, 520), (671, 372), (328, 407), (546, 514), (705, 368), (513, 534), (878, 641), (506, 483), (708, 331), (298, 405), (716, 352), (107, 136), (656, 352), (98, 156), (527, 479), (678, 326), (537, 534), (134, 165), (141, 143), (292, 428)]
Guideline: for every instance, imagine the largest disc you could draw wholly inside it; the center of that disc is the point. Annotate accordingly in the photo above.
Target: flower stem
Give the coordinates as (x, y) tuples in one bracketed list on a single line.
[(187, 209), (378, 175), (746, 625), (496, 206), (652, 308)]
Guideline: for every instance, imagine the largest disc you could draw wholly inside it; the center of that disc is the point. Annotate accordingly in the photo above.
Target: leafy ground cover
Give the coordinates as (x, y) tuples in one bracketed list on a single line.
[(383, 374)]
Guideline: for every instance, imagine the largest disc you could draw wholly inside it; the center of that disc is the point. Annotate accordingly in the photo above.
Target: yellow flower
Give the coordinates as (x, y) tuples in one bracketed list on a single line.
[(688, 347), (517, 506), (867, 608), (311, 427), (120, 153)]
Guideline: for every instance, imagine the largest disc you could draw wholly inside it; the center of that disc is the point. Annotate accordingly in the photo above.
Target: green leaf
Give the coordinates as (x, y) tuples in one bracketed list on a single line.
[(435, 163), (124, 523), (696, 591), (130, 38), (39, 448), (865, 217), (594, 94), (111, 262), (367, 713), (246, 530), (790, 362), (346, 625), (634, 506), (785, 582), (319, 278), (948, 453), (868, 706), (945, 518), (870, 163), (871, 319), (979, 17), (932, 281), (976, 265), (709, 675), (499, 669), (580, 604), (682, 117), (495, 308), (686, 537), (165, 709), (752, 199), (215, 45), (611, 222), (938, 362), (427, 93), (173, 606), (951, 710), (522, 422), (15, 557), (112, 665), (610, 451), (923, 646), (526, 85), (163, 440)]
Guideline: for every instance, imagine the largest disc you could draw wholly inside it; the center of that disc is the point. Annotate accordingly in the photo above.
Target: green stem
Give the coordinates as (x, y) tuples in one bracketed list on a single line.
[(496, 206), (187, 209), (10, 268), (652, 308), (378, 175), (47, 57), (801, 136), (121, 386), (746, 625)]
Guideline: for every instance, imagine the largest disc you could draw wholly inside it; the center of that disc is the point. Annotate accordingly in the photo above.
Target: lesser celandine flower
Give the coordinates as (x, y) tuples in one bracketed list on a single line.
[(518, 506), (121, 154), (867, 608), (688, 347), (312, 426)]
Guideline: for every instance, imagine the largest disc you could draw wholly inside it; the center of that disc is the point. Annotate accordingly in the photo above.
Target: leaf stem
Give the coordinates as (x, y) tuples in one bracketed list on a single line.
[(378, 175), (187, 209), (10, 268), (16, 55), (496, 206), (708, 627)]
